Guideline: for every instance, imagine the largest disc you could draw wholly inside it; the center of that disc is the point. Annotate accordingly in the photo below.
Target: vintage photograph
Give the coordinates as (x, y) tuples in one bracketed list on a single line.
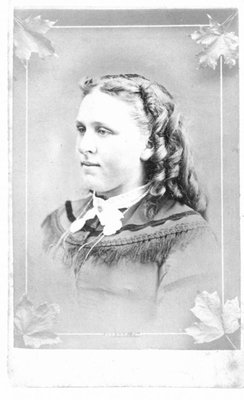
[(125, 179)]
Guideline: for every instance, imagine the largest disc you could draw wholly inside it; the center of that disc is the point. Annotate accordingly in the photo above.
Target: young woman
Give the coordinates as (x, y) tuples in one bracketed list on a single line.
[(138, 243)]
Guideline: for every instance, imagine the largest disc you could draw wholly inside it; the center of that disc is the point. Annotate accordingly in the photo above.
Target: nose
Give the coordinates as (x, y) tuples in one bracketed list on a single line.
[(86, 143)]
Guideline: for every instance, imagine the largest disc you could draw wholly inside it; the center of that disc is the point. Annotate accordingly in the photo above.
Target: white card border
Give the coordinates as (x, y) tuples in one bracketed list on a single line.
[(51, 368)]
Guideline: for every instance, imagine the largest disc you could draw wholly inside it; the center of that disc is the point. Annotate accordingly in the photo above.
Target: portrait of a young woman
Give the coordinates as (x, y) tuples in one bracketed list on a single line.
[(138, 243)]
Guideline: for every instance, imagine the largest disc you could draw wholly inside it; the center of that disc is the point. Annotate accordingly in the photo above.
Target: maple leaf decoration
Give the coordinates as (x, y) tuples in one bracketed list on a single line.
[(216, 42), (35, 325), (216, 321), (29, 37)]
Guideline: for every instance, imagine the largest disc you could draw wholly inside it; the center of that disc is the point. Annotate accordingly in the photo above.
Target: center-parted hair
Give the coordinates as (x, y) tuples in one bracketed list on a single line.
[(171, 165)]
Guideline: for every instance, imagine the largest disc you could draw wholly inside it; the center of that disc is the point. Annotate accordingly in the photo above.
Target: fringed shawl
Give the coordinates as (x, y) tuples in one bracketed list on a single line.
[(149, 242)]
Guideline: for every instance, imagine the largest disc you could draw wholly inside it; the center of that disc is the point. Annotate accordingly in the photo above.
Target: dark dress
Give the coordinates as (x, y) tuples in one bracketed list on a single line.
[(135, 288)]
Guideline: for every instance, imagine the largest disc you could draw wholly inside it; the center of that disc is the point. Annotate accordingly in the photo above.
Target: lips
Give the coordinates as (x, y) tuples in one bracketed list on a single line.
[(89, 164)]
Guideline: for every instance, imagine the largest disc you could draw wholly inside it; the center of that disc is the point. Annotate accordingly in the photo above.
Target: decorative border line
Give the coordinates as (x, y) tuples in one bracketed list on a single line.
[(120, 334), (26, 171), (124, 26), (221, 178)]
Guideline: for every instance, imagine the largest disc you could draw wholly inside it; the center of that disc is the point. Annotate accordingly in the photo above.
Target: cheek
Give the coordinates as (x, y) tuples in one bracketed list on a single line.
[(129, 148), (121, 157)]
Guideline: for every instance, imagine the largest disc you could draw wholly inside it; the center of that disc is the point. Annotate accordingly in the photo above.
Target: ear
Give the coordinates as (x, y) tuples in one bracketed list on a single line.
[(147, 153)]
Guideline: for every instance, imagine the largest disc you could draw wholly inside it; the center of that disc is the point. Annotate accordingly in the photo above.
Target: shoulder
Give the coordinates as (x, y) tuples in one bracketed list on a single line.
[(175, 210), (58, 221), (194, 237), (171, 217), (177, 231)]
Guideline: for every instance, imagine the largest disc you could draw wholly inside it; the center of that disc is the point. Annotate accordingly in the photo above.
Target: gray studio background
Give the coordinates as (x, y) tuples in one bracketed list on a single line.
[(167, 55)]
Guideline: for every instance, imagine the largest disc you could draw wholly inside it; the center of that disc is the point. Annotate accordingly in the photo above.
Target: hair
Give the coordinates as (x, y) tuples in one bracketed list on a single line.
[(171, 166)]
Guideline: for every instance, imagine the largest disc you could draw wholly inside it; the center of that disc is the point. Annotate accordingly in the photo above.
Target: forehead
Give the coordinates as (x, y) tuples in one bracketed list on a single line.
[(98, 106)]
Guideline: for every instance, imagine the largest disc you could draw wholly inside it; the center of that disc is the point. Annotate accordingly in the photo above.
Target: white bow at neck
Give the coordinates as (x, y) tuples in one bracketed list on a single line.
[(108, 211)]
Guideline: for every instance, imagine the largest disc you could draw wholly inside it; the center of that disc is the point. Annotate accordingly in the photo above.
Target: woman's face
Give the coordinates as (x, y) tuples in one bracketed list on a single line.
[(109, 144)]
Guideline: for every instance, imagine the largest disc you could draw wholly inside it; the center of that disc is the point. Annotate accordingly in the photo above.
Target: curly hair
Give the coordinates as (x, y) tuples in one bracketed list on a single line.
[(170, 166)]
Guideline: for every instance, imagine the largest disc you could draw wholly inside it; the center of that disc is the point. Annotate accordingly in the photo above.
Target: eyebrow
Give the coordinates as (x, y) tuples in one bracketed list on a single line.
[(95, 123), (79, 123)]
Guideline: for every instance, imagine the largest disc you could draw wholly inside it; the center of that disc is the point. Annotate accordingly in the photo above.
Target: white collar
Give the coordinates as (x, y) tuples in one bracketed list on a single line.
[(108, 211), (123, 200)]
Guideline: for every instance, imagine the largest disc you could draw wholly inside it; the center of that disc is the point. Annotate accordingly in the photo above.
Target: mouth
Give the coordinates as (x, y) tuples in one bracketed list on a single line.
[(89, 164)]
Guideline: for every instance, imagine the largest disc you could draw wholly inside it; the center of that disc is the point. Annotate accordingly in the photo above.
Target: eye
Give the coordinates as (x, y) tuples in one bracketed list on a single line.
[(81, 129), (103, 131)]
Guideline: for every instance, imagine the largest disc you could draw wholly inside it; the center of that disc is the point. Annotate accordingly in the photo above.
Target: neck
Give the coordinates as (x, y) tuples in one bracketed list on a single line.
[(138, 182), (120, 193)]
